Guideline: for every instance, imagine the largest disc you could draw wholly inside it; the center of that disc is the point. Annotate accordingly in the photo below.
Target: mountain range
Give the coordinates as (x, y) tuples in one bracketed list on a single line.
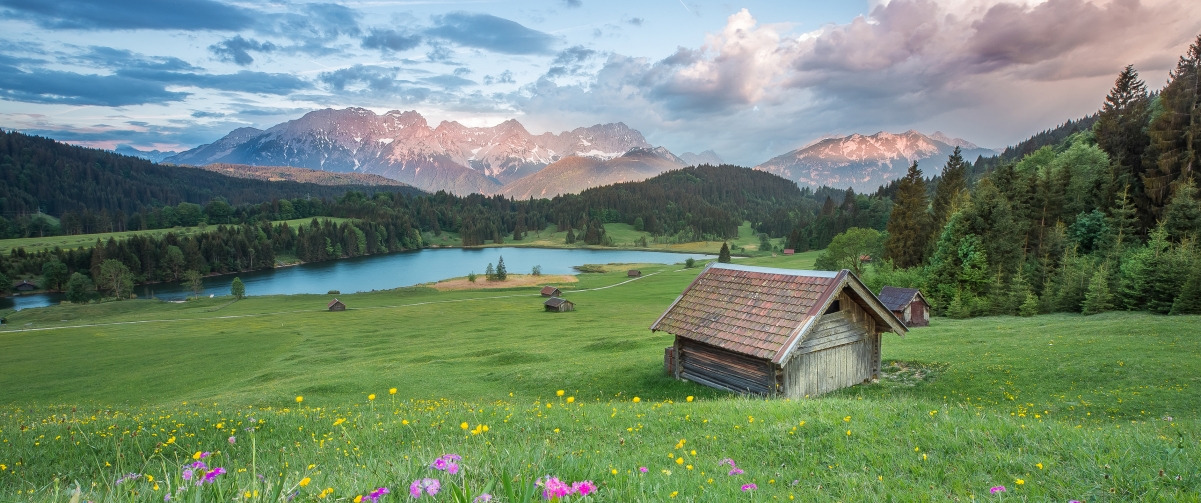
[(866, 162), (507, 159)]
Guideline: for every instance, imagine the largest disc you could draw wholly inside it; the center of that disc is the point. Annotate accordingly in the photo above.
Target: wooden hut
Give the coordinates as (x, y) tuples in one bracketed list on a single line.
[(550, 291), (633, 273), (336, 305), (789, 251), (25, 286), (908, 304), (559, 304), (776, 332)]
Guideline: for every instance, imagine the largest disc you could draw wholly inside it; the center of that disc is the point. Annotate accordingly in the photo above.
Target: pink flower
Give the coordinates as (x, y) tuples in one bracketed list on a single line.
[(433, 487), (205, 455), (447, 463), (997, 489), (483, 498), (374, 496), (187, 474), (199, 465), (736, 471), (430, 486), (232, 440), (583, 488), (749, 487), (415, 489), (554, 488), (726, 461), (213, 474), (642, 469)]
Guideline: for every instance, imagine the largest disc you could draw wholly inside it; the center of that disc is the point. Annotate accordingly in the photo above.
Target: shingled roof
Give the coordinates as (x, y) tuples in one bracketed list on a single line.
[(759, 311), (895, 299)]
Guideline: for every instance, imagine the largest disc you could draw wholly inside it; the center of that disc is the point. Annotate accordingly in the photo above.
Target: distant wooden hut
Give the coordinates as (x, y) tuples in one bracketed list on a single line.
[(559, 304), (776, 332), (789, 251), (550, 291), (336, 305), (25, 286), (908, 304), (633, 273)]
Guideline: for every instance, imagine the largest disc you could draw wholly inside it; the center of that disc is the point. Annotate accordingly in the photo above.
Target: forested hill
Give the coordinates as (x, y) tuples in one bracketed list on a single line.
[(1049, 138), (42, 174)]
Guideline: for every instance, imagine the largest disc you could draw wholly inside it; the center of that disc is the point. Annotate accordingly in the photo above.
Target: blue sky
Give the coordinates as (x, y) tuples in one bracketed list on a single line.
[(749, 79)]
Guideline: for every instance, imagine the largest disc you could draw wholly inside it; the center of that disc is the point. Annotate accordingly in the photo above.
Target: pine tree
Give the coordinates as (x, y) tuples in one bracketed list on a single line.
[(1120, 132), (1098, 299), (570, 236), (952, 182), (1029, 306), (490, 273), (1182, 216), (501, 272), (1019, 290), (1189, 300), (723, 256), (908, 227), (959, 308), (1176, 131)]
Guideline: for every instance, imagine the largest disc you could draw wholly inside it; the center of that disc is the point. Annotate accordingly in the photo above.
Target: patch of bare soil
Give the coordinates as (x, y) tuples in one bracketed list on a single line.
[(514, 280)]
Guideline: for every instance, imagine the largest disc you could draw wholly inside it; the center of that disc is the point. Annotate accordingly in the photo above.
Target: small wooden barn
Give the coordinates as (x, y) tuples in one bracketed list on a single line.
[(633, 273), (336, 305), (907, 304), (776, 332), (25, 286), (559, 304), (550, 291)]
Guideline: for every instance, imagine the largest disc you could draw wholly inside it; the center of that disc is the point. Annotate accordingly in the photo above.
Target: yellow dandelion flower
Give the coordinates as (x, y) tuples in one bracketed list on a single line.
[(802, 423), (674, 493), (847, 419), (299, 399), (246, 495), (1019, 482), (679, 461), (848, 433), (570, 399), (917, 449), (689, 467), (391, 391), (358, 499), (923, 456), (636, 399), (689, 398), (484, 428), (464, 425), (305, 481), (220, 425), (371, 396), (339, 421), (556, 430), (404, 421), (559, 393), (149, 478), (197, 455), (156, 486), (1040, 466), (693, 452), (613, 471)]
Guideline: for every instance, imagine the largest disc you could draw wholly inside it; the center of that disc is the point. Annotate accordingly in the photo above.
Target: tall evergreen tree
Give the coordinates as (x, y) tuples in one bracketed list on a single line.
[(1182, 216), (950, 184), (1189, 300), (1120, 132), (908, 225), (1176, 131), (723, 256), (502, 273)]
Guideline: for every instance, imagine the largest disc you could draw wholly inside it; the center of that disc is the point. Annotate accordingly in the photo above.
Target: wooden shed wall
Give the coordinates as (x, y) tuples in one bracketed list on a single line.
[(718, 368), (842, 350)]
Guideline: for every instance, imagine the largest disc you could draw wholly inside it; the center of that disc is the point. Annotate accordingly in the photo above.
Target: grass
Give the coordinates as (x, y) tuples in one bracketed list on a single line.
[(37, 244), (623, 236), (1101, 408)]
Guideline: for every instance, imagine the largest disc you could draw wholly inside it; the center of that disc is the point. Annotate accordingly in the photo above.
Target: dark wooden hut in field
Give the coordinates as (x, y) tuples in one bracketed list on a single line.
[(25, 286), (559, 304), (776, 332), (336, 305), (633, 273), (550, 291), (907, 304)]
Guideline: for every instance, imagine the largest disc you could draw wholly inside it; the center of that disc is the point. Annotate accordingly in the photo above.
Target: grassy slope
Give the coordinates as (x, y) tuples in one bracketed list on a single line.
[(77, 241), (1102, 388)]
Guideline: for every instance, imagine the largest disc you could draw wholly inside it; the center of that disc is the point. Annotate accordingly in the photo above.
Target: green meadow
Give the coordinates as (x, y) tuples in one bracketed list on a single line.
[(1052, 408), (70, 242)]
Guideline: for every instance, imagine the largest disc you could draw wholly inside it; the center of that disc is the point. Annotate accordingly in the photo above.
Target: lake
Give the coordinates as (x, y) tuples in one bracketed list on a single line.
[(384, 272)]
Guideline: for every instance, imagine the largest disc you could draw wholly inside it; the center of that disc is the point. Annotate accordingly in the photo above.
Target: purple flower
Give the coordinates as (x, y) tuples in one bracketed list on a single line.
[(213, 474), (205, 455), (374, 496), (583, 488), (483, 498), (127, 478), (430, 486), (447, 463), (232, 440), (199, 465), (997, 489), (749, 487), (642, 469), (439, 464), (726, 461), (187, 474), (736, 471)]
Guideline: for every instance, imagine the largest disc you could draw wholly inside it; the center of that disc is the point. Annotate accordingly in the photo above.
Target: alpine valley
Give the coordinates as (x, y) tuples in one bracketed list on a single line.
[(507, 159)]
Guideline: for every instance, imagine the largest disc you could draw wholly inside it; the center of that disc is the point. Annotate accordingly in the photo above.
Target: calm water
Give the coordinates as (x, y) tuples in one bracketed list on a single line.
[(383, 272)]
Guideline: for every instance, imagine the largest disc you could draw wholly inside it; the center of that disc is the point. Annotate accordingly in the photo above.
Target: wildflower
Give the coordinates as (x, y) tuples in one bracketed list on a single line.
[(689, 398), (923, 456), (553, 488), (213, 474), (187, 474), (374, 496), (299, 399), (232, 440), (127, 478), (636, 399), (220, 425), (736, 471), (199, 465), (848, 433), (371, 397), (483, 498), (1039, 465), (680, 461), (996, 489), (583, 488), (339, 421), (643, 469), (749, 487), (391, 391), (305, 481), (570, 399), (613, 471), (559, 393), (430, 486), (1019, 481), (447, 463), (847, 419), (464, 425)]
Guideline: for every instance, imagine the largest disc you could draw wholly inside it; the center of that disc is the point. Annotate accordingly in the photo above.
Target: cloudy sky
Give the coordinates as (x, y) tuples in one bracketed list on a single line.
[(749, 79)]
